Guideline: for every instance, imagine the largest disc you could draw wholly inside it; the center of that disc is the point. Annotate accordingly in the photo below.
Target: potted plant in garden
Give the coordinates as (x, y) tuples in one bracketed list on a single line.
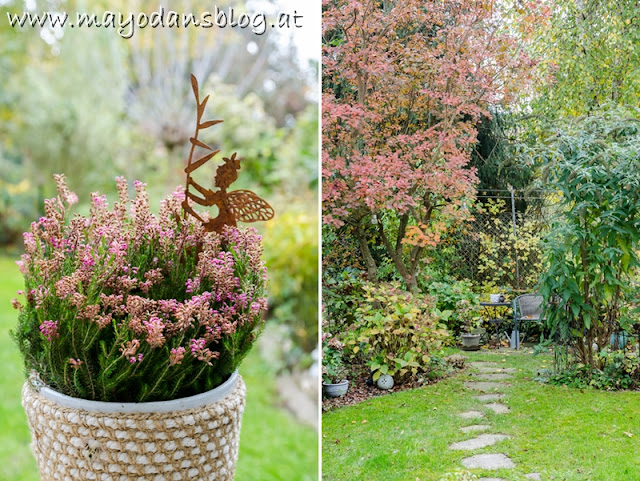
[(134, 326), (470, 315), (333, 370)]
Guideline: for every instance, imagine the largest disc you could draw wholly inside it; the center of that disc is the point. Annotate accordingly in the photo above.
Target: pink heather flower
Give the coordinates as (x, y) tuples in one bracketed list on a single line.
[(179, 194), (88, 261), (67, 286), (23, 264), (30, 245), (146, 286), (200, 352), (130, 348), (78, 299), (49, 329), (89, 312), (75, 363), (16, 303), (176, 355), (133, 359), (168, 306), (153, 276), (118, 248), (111, 301), (123, 189), (196, 345), (154, 326), (99, 202), (192, 285), (103, 320), (65, 194)]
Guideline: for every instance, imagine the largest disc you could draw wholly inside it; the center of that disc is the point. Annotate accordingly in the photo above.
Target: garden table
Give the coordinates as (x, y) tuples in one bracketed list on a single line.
[(496, 315)]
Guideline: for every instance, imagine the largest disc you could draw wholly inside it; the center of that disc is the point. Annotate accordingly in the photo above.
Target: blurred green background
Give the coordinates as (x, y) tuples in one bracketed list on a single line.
[(92, 105)]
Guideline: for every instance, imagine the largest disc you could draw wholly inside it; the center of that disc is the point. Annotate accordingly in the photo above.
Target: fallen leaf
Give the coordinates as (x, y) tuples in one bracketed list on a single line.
[(364, 421), (629, 434)]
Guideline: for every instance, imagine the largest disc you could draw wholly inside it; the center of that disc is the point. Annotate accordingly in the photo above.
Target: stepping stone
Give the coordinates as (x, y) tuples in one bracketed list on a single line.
[(534, 476), (471, 415), (485, 385), (507, 370), (481, 441), (480, 364), (488, 461), (498, 408), (494, 377), (489, 397), (474, 428)]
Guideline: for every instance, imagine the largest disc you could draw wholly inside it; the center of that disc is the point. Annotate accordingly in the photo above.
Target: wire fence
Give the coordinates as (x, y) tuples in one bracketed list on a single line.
[(501, 244)]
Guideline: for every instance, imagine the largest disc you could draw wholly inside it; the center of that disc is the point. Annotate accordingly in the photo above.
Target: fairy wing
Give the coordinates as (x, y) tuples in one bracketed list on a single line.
[(248, 207)]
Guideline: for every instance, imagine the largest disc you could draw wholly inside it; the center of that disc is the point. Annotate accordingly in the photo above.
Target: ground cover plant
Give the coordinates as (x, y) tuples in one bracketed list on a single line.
[(406, 435)]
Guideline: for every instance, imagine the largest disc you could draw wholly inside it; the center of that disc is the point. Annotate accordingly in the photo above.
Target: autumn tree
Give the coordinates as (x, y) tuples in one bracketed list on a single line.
[(404, 86)]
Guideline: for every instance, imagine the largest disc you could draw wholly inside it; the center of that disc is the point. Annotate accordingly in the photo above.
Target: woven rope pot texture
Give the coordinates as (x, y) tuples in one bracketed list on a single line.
[(193, 438)]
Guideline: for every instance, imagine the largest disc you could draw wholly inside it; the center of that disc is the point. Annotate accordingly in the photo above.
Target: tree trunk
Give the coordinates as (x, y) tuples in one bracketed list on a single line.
[(372, 268), (396, 256)]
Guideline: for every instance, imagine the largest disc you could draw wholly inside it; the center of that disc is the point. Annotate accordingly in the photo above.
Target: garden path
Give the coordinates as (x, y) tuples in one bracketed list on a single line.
[(491, 379)]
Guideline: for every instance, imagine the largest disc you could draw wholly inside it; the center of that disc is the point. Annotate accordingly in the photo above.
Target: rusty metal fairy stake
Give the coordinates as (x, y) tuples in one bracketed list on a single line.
[(237, 205)]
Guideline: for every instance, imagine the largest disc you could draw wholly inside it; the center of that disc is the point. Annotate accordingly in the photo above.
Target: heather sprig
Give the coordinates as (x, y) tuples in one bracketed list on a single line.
[(127, 306)]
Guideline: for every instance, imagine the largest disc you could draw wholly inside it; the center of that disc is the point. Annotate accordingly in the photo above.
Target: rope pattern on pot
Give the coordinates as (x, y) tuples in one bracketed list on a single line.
[(194, 444)]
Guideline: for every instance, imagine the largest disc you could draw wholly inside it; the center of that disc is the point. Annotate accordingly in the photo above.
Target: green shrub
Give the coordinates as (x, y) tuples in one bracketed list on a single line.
[(396, 332), (448, 295), (342, 293), (620, 370), (333, 368), (291, 253), (592, 250)]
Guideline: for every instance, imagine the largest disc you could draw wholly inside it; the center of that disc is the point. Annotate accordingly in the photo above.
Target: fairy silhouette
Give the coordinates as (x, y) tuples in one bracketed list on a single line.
[(237, 205)]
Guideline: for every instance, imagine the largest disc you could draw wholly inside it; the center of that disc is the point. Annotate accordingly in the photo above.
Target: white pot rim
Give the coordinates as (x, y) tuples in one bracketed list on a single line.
[(341, 383), (182, 404)]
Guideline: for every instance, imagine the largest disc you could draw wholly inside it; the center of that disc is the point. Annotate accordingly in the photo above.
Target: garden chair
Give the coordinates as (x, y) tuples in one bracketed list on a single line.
[(527, 308)]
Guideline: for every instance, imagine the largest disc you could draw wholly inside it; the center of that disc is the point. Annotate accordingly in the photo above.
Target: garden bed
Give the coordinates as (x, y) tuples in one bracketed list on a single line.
[(361, 390)]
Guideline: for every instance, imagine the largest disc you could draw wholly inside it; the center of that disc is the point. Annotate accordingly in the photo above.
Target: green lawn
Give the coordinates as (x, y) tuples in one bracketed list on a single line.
[(273, 446), (564, 434)]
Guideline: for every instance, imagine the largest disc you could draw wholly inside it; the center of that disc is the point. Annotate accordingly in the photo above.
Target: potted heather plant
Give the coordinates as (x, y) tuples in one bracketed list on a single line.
[(132, 329), (333, 370)]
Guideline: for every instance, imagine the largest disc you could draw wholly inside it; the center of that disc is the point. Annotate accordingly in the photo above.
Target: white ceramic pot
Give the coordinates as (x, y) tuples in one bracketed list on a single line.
[(183, 439), (471, 342), (336, 390)]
